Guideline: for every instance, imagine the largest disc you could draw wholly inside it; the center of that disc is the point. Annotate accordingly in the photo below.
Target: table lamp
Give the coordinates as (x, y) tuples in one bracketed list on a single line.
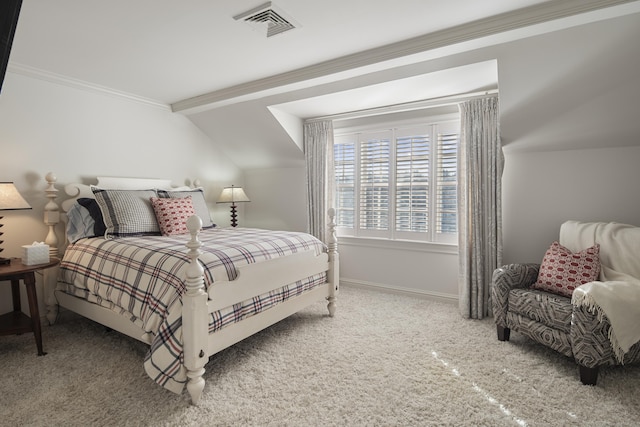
[(233, 195), (10, 200)]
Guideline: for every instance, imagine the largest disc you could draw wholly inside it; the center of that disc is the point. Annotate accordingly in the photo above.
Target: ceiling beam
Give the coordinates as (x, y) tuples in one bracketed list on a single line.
[(482, 28)]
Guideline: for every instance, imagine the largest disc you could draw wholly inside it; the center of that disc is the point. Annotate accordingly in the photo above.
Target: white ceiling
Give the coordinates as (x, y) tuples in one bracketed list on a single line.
[(192, 56), (169, 51), (440, 84)]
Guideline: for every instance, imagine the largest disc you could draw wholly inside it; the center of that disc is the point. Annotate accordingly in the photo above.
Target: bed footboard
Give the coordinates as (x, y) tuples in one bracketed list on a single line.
[(334, 263), (198, 302), (195, 325)]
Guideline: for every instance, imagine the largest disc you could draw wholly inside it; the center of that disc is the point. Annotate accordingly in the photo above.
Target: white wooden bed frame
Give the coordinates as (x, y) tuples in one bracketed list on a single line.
[(252, 280)]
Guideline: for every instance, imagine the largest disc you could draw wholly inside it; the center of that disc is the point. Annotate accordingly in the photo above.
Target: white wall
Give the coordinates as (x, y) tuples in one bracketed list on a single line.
[(570, 129), (277, 199), (568, 119), (78, 135), (401, 267), (544, 189)]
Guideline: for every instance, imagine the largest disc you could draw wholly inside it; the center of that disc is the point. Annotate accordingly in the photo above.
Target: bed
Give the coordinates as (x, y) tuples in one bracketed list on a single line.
[(182, 285)]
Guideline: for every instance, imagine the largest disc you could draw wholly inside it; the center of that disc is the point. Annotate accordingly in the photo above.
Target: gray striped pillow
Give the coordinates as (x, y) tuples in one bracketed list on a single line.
[(127, 212)]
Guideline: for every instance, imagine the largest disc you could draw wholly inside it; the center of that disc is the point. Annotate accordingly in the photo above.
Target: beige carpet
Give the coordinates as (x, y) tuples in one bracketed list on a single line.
[(384, 360)]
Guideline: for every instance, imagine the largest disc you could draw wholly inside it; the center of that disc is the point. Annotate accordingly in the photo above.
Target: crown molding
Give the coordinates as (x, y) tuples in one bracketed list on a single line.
[(482, 28), (39, 74)]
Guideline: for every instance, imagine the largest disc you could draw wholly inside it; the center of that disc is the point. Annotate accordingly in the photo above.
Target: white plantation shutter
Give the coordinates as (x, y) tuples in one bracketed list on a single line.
[(345, 170), (398, 184), (375, 149), (447, 179), (413, 157)]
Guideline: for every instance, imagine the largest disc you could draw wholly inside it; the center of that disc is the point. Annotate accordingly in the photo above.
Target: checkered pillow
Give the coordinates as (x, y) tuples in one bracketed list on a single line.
[(198, 200), (127, 212), (172, 214), (562, 271)]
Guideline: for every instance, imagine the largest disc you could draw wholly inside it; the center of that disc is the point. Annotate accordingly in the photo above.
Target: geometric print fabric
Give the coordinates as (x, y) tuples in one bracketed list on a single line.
[(198, 200), (588, 340), (172, 214), (562, 271)]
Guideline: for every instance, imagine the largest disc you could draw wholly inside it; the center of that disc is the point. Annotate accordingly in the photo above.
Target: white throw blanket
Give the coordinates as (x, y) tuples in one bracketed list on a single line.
[(617, 294)]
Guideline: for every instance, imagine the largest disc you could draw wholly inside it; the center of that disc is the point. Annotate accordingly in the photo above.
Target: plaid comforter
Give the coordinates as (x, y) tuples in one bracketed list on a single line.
[(142, 278)]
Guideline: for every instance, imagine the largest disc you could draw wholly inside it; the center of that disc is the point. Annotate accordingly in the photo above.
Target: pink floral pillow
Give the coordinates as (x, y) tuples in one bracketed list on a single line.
[(562, 271), (172, 214)]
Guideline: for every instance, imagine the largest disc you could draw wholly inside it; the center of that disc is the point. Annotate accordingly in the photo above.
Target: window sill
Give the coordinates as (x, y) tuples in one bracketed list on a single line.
[(401, 245)]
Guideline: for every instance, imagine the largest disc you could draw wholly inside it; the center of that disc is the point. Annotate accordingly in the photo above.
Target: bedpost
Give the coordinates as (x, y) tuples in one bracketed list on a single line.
[(195, 324), (51, 219), (334, 263)]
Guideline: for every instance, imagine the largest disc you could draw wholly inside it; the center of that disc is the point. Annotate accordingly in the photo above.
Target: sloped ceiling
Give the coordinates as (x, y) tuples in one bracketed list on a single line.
[(170, 51), (192, 57)]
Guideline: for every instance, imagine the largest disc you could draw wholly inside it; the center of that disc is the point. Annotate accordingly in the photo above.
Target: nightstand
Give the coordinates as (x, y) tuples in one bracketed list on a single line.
[(17, 322)]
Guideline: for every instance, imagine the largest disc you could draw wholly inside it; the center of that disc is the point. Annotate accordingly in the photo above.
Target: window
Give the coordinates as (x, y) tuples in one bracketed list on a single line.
[(399, 183)]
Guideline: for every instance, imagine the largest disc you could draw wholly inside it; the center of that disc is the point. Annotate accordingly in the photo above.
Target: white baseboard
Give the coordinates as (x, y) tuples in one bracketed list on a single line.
[(436, 296)]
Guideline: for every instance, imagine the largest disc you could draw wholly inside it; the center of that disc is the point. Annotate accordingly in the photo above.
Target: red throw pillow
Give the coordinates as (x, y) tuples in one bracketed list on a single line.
[(172, 214), (562, 271)]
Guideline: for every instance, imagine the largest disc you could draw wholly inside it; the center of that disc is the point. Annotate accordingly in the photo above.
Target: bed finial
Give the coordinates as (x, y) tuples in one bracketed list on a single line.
[(51, 214), (51, 219), (334, 269), (195, 315)]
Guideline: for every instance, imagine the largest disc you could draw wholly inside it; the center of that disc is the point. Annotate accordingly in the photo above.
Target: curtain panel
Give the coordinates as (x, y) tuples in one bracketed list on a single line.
[(480, 165), (318, 151)]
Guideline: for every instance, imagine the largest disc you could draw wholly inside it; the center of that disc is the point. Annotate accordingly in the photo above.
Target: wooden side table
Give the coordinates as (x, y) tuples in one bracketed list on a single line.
[(17, 322)]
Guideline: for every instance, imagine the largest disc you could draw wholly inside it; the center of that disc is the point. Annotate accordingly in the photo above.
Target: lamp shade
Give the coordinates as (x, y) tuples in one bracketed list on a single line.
[(233, 195), (10, 198)]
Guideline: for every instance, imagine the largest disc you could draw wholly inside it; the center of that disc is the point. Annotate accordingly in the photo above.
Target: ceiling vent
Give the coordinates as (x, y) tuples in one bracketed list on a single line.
[(267, 17)]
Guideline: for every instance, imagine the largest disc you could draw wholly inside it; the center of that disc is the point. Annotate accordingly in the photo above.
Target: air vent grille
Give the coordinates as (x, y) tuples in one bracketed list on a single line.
[(267, 16)]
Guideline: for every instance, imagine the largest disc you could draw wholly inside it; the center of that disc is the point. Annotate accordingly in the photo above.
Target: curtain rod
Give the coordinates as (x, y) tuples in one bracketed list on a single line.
[(407, 106)]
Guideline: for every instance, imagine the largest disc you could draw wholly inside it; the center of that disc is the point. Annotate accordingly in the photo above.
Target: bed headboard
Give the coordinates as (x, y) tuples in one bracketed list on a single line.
[(54, 212), (76, 191), (117, 183)]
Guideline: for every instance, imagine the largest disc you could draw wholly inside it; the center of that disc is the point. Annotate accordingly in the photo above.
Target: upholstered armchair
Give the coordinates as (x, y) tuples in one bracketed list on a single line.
[(570, 322)]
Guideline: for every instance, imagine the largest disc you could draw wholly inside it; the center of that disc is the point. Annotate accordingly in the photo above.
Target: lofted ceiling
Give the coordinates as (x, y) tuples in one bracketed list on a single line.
[(193, 57)]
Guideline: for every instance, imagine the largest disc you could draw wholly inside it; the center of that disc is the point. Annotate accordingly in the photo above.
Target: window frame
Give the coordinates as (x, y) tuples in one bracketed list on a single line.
[(448, 120)]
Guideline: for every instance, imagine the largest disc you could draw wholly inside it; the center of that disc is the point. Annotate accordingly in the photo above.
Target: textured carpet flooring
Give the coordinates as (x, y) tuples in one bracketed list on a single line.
[(384, 360)]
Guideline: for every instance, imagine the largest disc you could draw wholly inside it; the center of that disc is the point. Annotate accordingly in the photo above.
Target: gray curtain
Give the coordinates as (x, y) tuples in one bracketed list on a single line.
[(318, 151), (480, 165)]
